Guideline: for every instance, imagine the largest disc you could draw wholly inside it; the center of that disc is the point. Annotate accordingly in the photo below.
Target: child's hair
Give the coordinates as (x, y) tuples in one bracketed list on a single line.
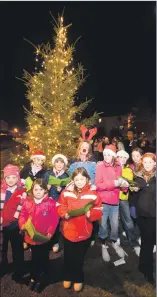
[(41, 183), (146, 155), (89, 155), (138, 149), (83, 172), (59, 159)]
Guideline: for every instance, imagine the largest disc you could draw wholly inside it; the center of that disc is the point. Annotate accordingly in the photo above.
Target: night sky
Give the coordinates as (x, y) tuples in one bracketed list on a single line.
[(117, 48)]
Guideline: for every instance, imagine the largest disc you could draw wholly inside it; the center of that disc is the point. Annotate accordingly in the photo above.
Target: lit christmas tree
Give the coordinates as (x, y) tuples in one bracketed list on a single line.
[(52, 118)]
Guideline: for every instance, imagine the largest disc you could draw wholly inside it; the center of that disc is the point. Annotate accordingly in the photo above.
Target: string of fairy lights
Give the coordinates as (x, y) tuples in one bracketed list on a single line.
[(50, 121)]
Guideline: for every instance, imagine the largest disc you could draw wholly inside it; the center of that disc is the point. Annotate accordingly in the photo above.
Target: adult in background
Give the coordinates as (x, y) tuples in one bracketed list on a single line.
[(130, 142)]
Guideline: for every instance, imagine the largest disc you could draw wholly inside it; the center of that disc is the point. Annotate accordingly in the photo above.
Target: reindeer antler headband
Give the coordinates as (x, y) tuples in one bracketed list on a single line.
[(84, 130)]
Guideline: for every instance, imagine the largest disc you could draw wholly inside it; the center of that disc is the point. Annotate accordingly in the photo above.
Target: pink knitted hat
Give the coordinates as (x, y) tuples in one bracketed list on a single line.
[(11, 170)]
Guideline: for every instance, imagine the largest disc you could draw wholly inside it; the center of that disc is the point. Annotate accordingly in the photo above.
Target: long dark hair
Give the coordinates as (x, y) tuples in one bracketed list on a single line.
[(83, 172)]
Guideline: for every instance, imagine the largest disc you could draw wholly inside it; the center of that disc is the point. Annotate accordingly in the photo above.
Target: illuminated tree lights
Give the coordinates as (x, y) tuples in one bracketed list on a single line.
[(52, 125)]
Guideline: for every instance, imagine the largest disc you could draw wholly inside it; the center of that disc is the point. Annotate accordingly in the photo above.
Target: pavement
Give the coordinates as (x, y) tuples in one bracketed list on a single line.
[(101, 279)]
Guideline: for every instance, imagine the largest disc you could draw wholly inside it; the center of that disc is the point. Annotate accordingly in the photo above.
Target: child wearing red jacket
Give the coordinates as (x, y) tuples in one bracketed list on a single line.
[(11, 199), (78, 206), (41, 211)]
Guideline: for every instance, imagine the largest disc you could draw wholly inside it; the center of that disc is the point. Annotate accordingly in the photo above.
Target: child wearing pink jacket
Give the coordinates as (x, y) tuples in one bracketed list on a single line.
[(41, 210), (108, 186)]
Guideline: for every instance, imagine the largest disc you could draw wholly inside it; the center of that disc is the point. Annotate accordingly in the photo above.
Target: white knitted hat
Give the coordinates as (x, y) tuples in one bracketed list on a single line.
[(55, 157), (123, 153)]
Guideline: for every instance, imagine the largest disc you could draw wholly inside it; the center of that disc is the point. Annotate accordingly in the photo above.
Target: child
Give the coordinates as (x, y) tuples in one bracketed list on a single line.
[(107, 184), (136, 158), (12, 197), (42, 211), (84, 158), (123, 157), (136, 155), (77, 228), (59, 163), (33, 170), (146, 212)]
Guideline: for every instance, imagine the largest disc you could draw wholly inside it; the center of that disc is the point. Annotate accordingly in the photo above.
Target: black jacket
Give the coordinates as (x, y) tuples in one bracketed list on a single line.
[(146, 197), (27, 171)]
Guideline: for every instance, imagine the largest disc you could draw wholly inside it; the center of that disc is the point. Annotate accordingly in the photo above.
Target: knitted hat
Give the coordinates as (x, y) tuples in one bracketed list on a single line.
[(111, 149), (123, 153), (55, 157), (38, 154), (11, 170)]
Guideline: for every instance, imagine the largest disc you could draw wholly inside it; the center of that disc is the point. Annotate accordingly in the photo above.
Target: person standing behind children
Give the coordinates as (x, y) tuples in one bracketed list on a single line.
[(12, 196), (122, 157), (77, 229), (146, 212), (107, 185), (42, 211), (59, 164)]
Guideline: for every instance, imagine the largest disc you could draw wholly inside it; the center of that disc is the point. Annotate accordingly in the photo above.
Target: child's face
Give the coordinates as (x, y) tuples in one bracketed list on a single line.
[(38, 192), (59, 165), (148, 164), (108, 158), (11, 180), (38, 161), (136, 156), (122, 160), (84, 148), (80, 181)]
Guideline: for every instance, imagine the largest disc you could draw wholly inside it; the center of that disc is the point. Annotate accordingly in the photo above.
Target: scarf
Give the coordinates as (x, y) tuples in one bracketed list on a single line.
[(148, 174), (58, 173), (35, 169)]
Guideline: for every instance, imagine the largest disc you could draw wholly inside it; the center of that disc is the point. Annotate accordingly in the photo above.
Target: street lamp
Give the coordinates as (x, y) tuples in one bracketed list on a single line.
[(100, 120), (15, 130)]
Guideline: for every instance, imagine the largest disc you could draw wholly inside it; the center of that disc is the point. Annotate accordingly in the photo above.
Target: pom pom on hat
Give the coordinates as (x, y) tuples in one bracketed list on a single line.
[(55, 157), (111, 149), (123, 153), (38, 154), (11, 170)]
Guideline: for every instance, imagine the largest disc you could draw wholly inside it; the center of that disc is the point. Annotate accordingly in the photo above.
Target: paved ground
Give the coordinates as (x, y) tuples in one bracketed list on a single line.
[(101, 279)]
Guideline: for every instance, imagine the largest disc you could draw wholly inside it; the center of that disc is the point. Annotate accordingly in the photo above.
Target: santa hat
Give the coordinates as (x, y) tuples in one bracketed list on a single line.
[(10, 170), (38, 154), (123, 153), (111, 149), (55, 157)]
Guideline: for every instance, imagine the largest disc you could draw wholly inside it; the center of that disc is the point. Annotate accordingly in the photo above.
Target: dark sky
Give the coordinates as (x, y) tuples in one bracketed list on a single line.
[(117, 47)]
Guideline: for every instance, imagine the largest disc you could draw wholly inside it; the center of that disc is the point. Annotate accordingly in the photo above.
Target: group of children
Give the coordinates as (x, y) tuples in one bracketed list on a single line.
[(71, 202)]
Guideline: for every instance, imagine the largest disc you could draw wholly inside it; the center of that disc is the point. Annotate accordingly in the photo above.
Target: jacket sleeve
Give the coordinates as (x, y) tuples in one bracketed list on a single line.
[(24, 215), (61, 205), (140, 182), (101, 184), (96, 210), (129, 176), (55, 220), (46, 176), (72, 167)]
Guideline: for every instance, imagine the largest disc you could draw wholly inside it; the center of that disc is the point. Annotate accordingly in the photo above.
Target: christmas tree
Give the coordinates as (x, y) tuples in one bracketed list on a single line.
[(53, 120)]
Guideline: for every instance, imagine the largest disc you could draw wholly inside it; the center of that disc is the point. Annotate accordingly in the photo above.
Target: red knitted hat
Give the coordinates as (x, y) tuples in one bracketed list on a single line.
[(38, 154), (111, 149)]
